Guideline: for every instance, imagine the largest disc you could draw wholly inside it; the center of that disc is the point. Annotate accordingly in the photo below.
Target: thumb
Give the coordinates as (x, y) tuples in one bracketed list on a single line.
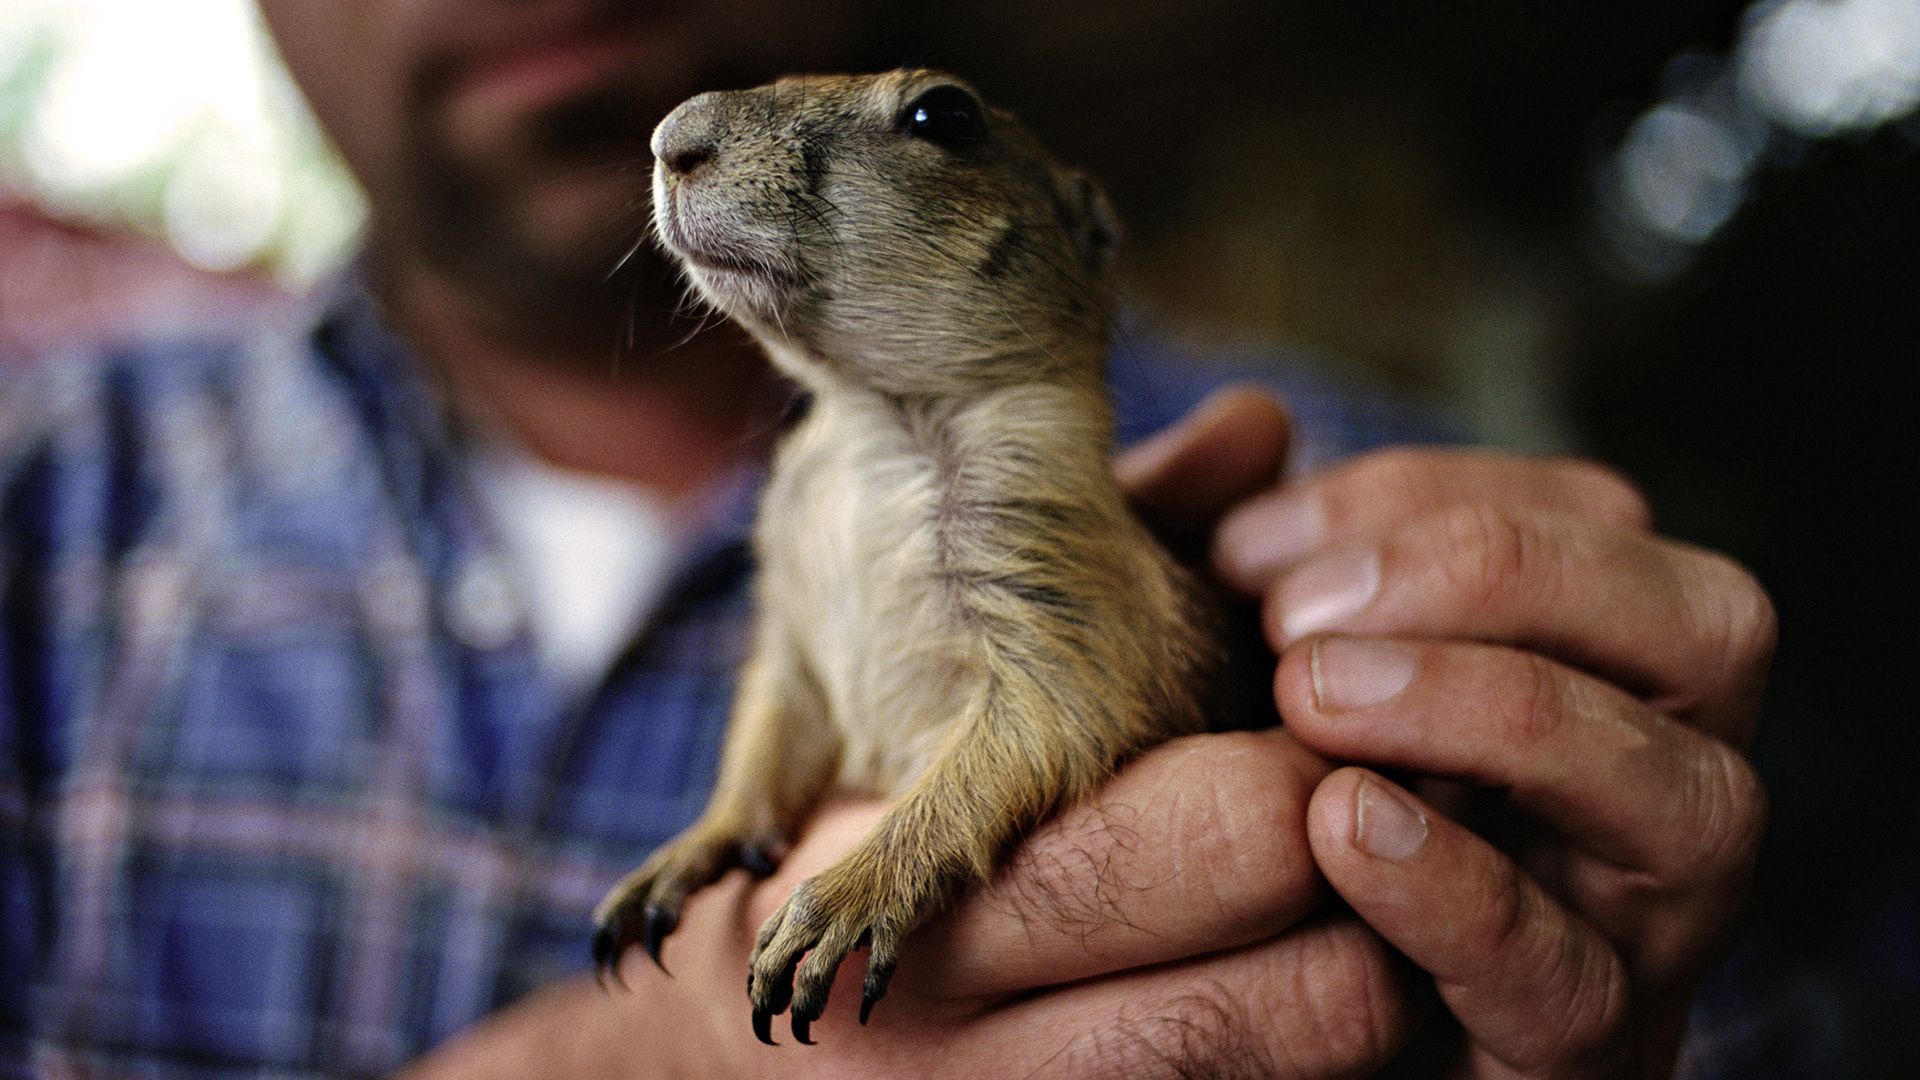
[(1232, 446)]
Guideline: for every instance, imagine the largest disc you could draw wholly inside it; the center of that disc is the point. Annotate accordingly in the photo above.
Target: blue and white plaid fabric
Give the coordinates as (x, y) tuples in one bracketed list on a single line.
[(282, 793)]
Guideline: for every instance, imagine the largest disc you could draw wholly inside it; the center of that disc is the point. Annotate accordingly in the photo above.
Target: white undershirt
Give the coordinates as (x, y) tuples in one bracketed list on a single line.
[(591, 556)]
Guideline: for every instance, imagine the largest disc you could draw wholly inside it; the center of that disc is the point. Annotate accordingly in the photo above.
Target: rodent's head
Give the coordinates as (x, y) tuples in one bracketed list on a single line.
[(891, 229)]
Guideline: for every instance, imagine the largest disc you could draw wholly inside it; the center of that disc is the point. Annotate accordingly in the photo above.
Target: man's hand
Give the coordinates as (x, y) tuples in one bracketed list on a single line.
[(1512, 623), (1152, 931)]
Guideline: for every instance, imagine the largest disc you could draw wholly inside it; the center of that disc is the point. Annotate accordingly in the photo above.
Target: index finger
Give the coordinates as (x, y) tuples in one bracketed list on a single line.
[(1229, 448), (1376, 493), (1196, 846)]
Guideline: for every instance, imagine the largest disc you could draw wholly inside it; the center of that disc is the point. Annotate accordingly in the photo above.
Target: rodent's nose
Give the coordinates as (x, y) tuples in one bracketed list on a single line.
[(687, 160), (687, 138)]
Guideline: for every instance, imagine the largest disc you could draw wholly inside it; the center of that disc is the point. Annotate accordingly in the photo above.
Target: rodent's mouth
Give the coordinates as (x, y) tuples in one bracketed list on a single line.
[(715, 258), (746, 288), (731, 264), (753, 286)]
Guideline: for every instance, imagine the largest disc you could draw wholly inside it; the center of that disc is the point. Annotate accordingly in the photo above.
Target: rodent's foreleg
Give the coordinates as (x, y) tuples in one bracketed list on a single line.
[(780, 754), (1002, 769)]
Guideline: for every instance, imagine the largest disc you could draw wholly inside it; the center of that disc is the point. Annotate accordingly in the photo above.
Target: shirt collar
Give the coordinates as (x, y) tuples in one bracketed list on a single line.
[(398, 400)]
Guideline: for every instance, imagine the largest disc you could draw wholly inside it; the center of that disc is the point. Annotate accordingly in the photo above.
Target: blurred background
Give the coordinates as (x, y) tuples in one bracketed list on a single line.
[(1682, 236)]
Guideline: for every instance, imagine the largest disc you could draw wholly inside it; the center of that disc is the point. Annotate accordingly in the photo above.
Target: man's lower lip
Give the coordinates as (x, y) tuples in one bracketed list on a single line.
[(544, 73)]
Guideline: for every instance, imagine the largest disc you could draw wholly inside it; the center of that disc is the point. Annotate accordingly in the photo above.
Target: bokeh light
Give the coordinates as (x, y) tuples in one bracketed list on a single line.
[(174, 118), (1801, 70), (1821, 66)]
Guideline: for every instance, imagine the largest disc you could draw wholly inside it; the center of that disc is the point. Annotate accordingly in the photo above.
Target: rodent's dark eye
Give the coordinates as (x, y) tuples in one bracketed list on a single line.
[(946, 116)]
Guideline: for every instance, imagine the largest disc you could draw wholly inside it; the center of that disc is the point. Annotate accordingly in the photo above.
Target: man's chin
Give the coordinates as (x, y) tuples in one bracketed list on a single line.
[(571, 274)]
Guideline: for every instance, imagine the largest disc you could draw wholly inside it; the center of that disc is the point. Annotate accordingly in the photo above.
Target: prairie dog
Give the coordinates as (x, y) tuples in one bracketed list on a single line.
[(956, 608)]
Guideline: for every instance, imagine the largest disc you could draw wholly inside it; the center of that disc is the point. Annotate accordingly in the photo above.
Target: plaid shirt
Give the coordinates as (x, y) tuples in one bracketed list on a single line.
[(281, 789), (282, 792)]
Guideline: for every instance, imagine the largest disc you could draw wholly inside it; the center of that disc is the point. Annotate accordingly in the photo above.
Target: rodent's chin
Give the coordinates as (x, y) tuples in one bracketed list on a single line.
[(755, 295), (738, 281)]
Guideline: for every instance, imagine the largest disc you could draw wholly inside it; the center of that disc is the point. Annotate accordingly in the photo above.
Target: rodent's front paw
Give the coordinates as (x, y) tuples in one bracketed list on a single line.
[(645, 906), (824, 919)]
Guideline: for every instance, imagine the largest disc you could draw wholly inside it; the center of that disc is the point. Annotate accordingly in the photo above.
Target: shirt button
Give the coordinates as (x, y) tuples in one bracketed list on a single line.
[(483, 609)]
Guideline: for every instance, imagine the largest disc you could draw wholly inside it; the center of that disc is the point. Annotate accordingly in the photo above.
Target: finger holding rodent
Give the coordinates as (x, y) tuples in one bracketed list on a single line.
[(1663, 821), (1196, 846), (1539, 991), (1376, 493), (1686, 629), (1230, 448), (1326, 999)]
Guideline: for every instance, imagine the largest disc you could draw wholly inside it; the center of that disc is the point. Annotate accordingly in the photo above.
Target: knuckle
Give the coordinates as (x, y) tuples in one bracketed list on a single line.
[(1753, 621), (1252, 817), (1572, 984), (1355, 1011), (1532, 704), (1735, 614), (1585, 1007), (1487, 554), (1732, 812), (1608, 494), (1508, 921)]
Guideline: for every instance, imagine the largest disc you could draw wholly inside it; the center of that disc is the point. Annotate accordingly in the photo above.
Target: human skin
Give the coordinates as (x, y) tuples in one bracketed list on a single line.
[(1516, 625), (1603, 678), (1169, 924)]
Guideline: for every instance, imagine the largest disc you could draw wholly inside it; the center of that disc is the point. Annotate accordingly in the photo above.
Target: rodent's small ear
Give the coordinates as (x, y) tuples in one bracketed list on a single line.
[(1092, 221)]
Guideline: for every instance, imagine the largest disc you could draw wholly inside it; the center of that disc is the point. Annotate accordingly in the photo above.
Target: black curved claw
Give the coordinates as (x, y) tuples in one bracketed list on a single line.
[(659, 923), (802, 1023), (606, 956), (781, 994), (763, 1027), (758, 860), (875, 988)]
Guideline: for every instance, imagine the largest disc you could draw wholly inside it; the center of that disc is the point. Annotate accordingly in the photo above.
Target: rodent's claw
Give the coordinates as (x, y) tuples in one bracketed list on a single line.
[(758, 858), (644, 909), (879, 973), (641, 917), (763, 1027), (660, 920), (771, 992), (606, 956), (800, 949)]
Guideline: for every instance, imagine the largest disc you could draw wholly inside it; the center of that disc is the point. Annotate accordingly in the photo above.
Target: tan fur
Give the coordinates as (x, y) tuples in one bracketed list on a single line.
[(956, 607)]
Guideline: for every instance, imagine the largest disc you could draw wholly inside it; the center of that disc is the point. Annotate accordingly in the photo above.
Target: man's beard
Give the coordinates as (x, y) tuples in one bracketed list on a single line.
[(606, 289)]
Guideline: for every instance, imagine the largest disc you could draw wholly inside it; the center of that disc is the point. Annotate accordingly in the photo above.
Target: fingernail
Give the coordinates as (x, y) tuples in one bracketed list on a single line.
[(1327, 590), (1267, 537), (1352, 673), (1385, 825)]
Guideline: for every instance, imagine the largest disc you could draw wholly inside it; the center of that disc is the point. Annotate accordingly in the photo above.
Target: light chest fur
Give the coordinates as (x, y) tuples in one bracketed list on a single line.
[(850, 542)]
